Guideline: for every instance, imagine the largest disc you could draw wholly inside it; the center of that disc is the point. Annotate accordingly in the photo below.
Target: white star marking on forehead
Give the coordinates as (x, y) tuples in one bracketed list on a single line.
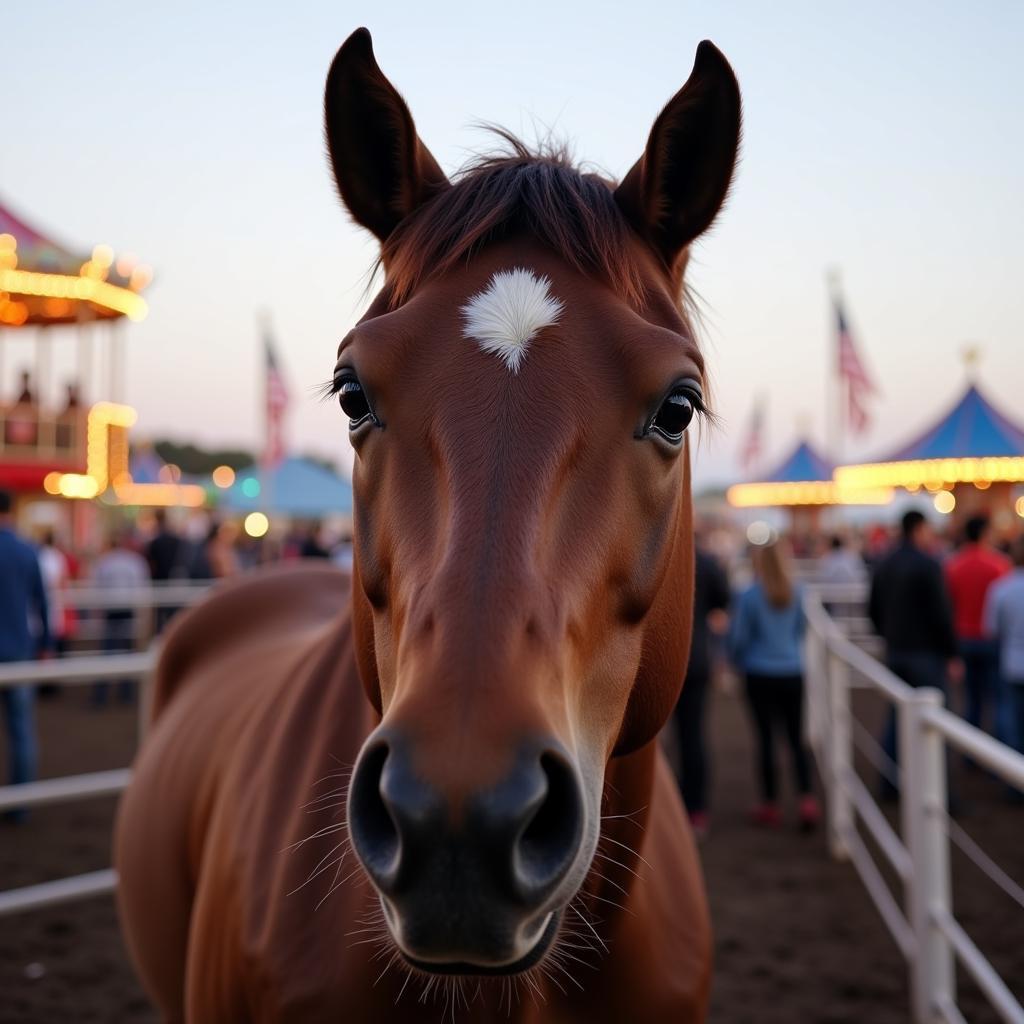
[(508, 314)]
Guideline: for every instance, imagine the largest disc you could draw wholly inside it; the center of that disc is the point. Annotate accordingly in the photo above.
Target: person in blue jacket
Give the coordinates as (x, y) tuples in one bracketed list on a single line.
[(766, 645), (22, 601)]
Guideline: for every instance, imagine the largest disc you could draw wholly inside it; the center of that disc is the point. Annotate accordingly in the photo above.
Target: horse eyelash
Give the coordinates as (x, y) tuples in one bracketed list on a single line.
[(327, 390)]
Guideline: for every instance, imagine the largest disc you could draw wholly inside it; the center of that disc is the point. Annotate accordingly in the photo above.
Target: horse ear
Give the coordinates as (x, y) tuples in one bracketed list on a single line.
[(673, 192), (382, 169)]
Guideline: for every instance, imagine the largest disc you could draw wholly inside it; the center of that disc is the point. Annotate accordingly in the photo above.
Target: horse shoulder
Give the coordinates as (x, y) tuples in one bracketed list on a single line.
[(254, 653), (288, 600)]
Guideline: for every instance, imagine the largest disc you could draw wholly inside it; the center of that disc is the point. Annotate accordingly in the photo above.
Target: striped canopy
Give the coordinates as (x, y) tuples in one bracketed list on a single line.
[(972, 429), (803, 464), (42, 283)]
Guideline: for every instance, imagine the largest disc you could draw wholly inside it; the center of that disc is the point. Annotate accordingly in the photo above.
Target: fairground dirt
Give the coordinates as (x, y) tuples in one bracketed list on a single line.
[(797, 938)]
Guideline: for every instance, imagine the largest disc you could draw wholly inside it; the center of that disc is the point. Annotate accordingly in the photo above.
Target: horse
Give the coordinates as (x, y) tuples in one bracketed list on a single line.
[(434, 789)]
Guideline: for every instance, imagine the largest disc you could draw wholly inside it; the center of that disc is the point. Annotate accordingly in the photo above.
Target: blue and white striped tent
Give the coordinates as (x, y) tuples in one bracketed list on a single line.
[(972, 429), (803, 465)]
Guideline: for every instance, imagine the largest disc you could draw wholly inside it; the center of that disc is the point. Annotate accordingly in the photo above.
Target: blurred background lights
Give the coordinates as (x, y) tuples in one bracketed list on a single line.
[(256, 524), (223, 476), (251, 487), (944, 502), (1019, 506), (759, 533)]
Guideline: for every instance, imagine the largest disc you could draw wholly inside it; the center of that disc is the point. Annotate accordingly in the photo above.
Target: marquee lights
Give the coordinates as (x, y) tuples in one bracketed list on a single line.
[(932, 474), (106, 464), (66, 286), (811, 492), (131, 493)]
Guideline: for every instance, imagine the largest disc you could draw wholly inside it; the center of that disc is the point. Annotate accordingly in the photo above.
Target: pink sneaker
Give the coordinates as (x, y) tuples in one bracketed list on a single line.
[(701, 824), (767, 815), (810, 813)]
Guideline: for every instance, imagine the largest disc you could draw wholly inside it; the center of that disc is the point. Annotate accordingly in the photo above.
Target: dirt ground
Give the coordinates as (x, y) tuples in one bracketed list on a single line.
[(798, 940)]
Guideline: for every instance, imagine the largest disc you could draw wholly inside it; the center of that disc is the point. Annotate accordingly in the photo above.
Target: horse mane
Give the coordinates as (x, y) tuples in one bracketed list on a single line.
[(539, 191)]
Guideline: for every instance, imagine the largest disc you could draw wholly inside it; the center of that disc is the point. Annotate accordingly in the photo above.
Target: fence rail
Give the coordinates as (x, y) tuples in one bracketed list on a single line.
[(924, 927), (172, 594), (70, 788)]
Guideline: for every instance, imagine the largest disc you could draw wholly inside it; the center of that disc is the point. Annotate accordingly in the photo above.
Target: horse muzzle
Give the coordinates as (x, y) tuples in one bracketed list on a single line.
[(474, 884)]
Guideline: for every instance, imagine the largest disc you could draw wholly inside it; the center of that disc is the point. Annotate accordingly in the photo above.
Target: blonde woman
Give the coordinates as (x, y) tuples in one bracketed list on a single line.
[(766, 644)]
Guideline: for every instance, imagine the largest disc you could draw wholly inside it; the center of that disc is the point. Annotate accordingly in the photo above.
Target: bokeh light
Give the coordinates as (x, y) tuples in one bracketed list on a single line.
[(944, 502), (251, 487), (256, 524), (223, 476)]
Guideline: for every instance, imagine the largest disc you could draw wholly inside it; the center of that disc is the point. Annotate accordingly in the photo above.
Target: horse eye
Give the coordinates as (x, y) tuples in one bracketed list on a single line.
[(675, 414), (353, 401)]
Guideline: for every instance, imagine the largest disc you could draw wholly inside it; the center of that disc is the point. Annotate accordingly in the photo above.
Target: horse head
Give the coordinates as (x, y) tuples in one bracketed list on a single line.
[(518, 397)]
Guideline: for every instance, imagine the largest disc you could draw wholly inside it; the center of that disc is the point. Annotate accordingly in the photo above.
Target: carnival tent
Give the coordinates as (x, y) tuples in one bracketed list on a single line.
[(803, 477), (973, 443), (297, 487)]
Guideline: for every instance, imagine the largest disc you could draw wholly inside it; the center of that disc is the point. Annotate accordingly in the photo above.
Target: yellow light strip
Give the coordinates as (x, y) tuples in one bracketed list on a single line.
[(932, 473), (102, 417), (65, 286), (189, 495), (811, 492), (71, 485), (94, 481)]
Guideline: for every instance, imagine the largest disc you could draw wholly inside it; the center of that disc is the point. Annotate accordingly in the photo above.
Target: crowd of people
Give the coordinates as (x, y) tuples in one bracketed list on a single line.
[(950, 616)]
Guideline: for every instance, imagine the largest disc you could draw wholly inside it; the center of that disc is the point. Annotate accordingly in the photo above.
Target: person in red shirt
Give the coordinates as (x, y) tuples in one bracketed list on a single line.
[(969, 574)]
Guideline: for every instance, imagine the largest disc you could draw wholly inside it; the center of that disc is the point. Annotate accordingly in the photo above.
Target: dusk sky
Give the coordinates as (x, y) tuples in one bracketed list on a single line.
[(886, 140)]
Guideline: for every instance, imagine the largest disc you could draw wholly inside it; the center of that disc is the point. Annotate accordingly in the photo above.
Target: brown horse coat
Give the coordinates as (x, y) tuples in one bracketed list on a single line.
[(511, 845)]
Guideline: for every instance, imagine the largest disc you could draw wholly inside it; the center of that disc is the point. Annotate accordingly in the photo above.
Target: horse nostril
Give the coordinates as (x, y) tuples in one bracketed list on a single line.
[(547, 847), (371, 827)]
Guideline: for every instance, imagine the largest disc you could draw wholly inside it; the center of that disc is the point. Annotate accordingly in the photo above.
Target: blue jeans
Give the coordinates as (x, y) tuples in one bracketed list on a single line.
[(917, 669), (983, 686), (1015, 715), (114, 642), (21, 737)]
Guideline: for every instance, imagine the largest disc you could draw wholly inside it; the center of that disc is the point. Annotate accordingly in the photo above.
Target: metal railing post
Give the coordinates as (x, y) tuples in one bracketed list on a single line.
[(839, 753), (813, 687), (923, 798)]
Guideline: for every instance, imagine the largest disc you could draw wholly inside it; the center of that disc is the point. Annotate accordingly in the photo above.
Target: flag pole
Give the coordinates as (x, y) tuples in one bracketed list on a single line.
[(835, 392), (266, 473)]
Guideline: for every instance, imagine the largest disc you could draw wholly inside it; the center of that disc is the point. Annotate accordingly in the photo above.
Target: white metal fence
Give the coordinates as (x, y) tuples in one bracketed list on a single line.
[(150, 606), (918, 852), (71, 788)]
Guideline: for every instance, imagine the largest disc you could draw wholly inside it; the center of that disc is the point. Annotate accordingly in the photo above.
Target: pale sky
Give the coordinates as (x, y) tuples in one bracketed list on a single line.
[(884, 139)]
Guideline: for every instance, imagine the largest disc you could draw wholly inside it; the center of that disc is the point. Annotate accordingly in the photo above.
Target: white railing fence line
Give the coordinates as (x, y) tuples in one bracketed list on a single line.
[(924, 927), (71, 672), (150, 606)]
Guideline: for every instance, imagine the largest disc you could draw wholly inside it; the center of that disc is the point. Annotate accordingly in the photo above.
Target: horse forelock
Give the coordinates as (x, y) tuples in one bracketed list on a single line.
[(539, 192)]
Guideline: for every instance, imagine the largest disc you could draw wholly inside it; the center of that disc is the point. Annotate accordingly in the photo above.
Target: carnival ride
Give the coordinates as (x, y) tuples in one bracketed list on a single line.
[(969, 460), (77, 449), (802, 483)]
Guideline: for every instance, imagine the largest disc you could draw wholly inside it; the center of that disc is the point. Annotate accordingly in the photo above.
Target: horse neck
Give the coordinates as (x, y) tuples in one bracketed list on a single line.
[(625, 813)]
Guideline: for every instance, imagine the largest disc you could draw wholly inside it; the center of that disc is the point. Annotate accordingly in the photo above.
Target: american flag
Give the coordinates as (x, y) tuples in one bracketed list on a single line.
[(853, 375), (754, 440), (276, 396)]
